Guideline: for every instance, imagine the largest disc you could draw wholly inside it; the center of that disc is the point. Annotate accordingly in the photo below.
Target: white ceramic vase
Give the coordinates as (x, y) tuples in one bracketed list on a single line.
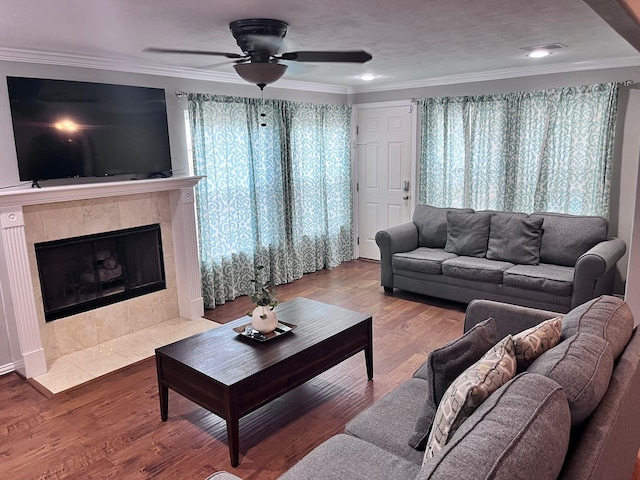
[(264, 319)]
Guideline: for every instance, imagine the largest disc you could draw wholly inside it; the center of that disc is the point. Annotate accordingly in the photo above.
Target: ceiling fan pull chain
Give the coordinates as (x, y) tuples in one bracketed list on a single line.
[(262, 114)]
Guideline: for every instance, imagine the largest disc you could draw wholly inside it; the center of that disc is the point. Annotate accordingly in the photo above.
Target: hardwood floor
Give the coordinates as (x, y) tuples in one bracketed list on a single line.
[(111, 428)]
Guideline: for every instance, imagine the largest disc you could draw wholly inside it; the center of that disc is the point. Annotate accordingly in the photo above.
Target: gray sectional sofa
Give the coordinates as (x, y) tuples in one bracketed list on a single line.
[(571, 414), (543, 260)]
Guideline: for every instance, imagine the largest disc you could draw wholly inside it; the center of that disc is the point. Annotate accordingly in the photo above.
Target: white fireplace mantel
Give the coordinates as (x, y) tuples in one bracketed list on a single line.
[(83, 191), (15, 276)]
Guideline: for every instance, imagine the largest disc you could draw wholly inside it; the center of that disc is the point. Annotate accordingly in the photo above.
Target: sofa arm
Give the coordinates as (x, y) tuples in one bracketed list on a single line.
[(401, 238), (510, 319), (594, 271)]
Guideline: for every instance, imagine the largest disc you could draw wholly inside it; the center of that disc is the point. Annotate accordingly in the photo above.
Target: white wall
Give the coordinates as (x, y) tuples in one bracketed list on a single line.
[(632, 293)]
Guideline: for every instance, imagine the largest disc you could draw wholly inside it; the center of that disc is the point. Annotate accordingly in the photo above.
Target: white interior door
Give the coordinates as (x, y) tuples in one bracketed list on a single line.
[(384, 146)]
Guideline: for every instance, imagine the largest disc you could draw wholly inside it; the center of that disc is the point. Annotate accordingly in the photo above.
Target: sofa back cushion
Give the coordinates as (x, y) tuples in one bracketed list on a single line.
[(607, 317), (467, 233), (508, 436), (432, 224), (606, 444), (566, 237), (582, 366), (515, 238)]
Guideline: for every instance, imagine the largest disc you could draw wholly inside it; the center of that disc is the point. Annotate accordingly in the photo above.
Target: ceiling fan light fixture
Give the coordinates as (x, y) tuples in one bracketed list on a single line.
[(260, 73)]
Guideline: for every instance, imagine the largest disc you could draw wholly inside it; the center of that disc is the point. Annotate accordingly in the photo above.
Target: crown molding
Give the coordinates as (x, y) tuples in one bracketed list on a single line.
[(67, 60), (501, 74)]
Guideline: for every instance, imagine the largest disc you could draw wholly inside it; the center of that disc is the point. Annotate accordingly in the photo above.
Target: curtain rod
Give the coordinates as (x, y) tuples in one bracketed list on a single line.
[(626, 83)]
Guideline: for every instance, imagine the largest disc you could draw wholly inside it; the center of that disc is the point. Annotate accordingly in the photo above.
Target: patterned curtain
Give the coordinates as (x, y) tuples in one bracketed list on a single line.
[(548, 150), (277, 191)]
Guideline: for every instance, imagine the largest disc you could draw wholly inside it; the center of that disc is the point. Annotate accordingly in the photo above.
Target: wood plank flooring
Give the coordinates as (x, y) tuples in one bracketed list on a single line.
[(111, 428)]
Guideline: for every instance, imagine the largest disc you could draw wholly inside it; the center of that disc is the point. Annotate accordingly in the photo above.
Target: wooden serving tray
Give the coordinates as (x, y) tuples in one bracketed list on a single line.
[(280, 330)]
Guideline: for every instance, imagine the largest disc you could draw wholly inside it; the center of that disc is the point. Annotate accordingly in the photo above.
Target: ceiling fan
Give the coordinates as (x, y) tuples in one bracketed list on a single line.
[(260, 40)]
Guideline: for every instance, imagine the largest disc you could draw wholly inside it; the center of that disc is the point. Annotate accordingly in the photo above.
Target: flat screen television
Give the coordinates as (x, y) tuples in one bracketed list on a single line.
[(66, 129)]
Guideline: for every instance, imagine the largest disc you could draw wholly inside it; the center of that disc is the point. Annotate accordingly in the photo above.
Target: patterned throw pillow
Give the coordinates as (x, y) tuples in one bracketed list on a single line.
[(533, 342), (469, 390)]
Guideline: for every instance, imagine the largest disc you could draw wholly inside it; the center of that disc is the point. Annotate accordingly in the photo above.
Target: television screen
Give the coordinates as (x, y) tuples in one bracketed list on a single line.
[(80, 129)]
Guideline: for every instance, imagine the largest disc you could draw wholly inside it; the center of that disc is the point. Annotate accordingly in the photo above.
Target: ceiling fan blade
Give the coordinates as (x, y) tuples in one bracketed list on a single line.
[(351, 56), (193, 52), (220, 64)]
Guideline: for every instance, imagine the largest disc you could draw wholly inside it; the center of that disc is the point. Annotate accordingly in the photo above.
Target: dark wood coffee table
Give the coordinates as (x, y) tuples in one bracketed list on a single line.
[(231, 375)]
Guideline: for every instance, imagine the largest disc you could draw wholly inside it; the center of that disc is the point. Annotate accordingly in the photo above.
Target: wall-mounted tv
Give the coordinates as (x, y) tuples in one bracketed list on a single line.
[(67, 129)]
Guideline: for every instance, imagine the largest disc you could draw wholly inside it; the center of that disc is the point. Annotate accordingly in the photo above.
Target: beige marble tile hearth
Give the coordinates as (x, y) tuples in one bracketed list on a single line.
[(82, 366)]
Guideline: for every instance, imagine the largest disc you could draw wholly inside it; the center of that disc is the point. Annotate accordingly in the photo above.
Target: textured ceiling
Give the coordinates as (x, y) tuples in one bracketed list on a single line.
[(410, 40)]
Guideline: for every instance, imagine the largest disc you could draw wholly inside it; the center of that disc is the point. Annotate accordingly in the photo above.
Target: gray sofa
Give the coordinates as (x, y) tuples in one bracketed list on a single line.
[(543, 260), (572, 414)]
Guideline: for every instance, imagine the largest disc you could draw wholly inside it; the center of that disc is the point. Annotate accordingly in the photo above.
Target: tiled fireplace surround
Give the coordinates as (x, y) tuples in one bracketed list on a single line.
[(30, 216)]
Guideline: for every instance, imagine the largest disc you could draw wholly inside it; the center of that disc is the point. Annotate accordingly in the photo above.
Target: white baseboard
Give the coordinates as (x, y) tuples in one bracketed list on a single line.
[(8, 368)]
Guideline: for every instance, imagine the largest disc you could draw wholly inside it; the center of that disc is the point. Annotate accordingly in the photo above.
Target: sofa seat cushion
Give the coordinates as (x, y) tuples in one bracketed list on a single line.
[(346, 457), (508, 437), (468, 233), (389, 422), (565, 237), (553, 279), (478, 269), (432, 224), (607, 317), (443, 366), (582, 366), (422, 259), (515, 239)]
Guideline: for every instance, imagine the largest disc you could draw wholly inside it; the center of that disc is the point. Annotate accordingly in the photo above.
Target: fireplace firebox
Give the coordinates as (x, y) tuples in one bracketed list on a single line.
[(83, 273)]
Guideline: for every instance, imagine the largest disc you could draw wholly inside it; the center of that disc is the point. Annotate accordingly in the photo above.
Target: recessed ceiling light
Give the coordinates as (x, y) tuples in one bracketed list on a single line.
[(539, 53), (367, 77)]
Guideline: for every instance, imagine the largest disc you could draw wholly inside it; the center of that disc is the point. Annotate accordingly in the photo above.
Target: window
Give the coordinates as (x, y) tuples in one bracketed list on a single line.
[(277, 191), (526, 151)]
